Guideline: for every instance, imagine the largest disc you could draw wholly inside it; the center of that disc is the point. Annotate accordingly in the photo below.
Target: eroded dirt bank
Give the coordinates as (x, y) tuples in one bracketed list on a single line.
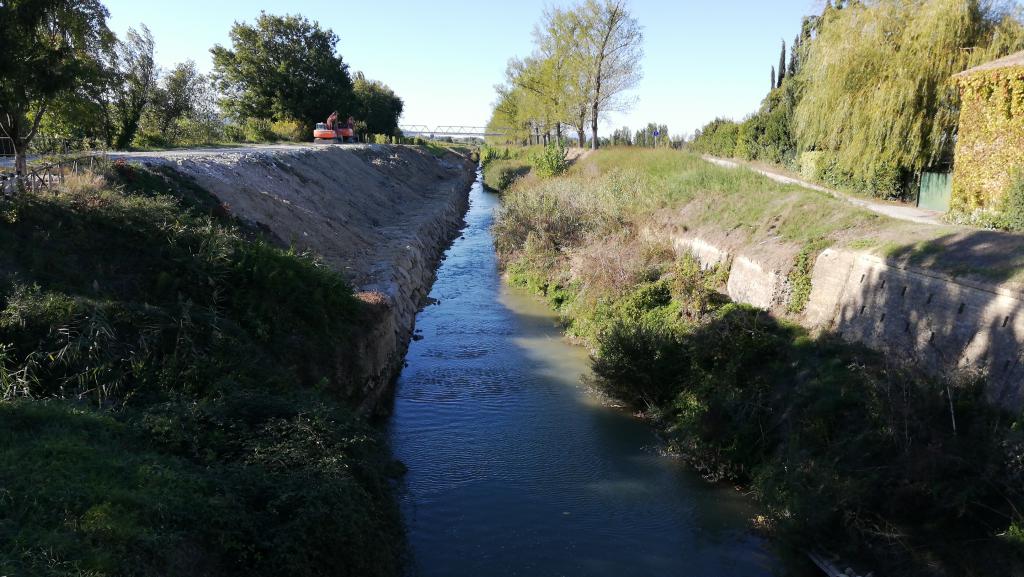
[(381, 215)]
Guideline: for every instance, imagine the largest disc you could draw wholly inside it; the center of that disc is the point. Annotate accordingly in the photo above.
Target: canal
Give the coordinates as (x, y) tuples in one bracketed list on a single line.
[(516, 468)]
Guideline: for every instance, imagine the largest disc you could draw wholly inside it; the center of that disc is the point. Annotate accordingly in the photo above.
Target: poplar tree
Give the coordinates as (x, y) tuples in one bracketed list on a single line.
[(782, 65), (612, 54), (773, 78)]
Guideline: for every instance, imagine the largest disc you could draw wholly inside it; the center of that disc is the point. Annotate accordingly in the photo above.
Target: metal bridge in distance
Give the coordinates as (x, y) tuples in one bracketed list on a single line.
[(451, 131)]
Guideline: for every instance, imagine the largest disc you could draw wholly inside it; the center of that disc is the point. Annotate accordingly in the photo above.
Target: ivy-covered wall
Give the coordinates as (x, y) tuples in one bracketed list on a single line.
[(990, 144)]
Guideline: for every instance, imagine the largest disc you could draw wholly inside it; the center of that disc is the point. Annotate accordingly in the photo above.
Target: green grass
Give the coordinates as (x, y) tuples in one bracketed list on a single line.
[(729, 199), (175, 396), (499, 175)]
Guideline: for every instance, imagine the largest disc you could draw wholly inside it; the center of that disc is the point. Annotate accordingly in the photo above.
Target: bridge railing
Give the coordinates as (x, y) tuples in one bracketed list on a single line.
[(424, 130)]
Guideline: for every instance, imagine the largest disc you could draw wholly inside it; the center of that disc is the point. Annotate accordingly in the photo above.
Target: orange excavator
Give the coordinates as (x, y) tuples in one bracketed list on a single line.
[(334, 132)]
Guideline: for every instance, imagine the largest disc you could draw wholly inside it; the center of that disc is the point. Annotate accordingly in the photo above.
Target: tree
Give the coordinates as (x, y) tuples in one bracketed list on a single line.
[(875, 80), (282, 68), (774, 84), (612, 53), (376, 105), (135, 79), (49, 47), (623, 136), (179, 95), (507, 115), (782, 65), (793, 63)]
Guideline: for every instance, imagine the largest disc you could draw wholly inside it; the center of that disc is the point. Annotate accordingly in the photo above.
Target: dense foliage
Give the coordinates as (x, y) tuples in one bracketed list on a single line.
[(173, 395), (79, 87), (282, 67), (49, 48), (844, 449), (377, 106), (868, 85), (990, 146)]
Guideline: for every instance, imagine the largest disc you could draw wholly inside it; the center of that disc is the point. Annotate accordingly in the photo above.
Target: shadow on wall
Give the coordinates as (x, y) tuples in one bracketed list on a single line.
[(988, 255), (926, 320)]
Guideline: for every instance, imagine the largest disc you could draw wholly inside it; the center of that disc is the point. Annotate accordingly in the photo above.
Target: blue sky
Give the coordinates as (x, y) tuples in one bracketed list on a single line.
[(702, 58)]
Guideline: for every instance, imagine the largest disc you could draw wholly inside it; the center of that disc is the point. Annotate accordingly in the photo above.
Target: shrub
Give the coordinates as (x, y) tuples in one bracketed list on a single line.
[(234, 133), (810, 164), (171, 383), (258, 130), (717, 138), (289, 130), (1013, 205), (199, 130), (487, 154), (550, 160), (800, 275)]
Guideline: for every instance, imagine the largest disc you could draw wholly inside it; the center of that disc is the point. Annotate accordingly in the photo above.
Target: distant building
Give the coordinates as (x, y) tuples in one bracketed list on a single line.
[(990, 142)]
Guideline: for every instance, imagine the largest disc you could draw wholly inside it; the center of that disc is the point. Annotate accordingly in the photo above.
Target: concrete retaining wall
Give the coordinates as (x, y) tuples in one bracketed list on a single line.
[(939, 323)]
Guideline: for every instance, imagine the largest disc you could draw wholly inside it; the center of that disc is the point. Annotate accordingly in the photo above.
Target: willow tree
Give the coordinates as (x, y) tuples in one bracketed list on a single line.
[(876, 88)]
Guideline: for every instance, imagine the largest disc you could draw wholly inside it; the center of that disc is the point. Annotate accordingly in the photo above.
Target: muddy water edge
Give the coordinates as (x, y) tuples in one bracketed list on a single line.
[(516, 468)]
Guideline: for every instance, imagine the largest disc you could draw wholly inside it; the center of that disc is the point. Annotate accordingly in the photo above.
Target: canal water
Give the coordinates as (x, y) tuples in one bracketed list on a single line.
[(515, 468)]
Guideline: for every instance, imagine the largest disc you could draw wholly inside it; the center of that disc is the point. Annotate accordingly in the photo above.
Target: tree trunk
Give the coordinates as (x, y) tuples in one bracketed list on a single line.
[(558, 133), (593, 129)]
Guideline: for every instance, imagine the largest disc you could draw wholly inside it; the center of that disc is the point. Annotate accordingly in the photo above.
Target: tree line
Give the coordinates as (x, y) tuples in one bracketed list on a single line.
[(863, 99), (585, 59), (64, 74)]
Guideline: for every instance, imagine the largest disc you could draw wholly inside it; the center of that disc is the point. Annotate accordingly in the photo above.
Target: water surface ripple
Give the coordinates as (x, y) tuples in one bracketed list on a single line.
[(514, 468)]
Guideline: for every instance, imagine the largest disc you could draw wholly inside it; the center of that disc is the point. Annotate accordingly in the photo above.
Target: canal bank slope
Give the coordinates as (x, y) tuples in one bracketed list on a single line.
[(688, 282), (380, 215), (189, 350)]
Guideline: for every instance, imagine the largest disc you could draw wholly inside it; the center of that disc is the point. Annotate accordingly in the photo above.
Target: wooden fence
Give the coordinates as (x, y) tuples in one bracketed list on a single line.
[(46, 176)]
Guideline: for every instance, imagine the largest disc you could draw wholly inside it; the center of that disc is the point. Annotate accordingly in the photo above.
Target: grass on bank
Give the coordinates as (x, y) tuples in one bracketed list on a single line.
[(175, 395), (844, 449)]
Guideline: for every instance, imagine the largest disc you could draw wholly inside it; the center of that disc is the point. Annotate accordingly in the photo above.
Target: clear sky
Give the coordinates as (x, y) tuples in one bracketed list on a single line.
[(703, 58)]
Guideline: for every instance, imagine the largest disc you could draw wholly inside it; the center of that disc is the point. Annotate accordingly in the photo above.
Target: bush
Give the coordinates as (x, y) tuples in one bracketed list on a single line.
[(549, 161), (234, 133), (488, 154), (289, 130), (258, 130), (800, 275), (199, 130), (810, 165), (717, 138), (1013, 205)]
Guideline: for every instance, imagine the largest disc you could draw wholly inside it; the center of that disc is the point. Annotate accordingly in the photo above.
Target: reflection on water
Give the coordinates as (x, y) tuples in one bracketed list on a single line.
[(514, 468)]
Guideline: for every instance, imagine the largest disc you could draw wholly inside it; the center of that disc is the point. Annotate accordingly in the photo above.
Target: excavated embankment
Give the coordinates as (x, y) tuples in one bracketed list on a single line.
[(381, 215)]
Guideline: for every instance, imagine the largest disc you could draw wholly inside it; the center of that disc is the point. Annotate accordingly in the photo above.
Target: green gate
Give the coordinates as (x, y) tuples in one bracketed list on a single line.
[(936, 188)]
